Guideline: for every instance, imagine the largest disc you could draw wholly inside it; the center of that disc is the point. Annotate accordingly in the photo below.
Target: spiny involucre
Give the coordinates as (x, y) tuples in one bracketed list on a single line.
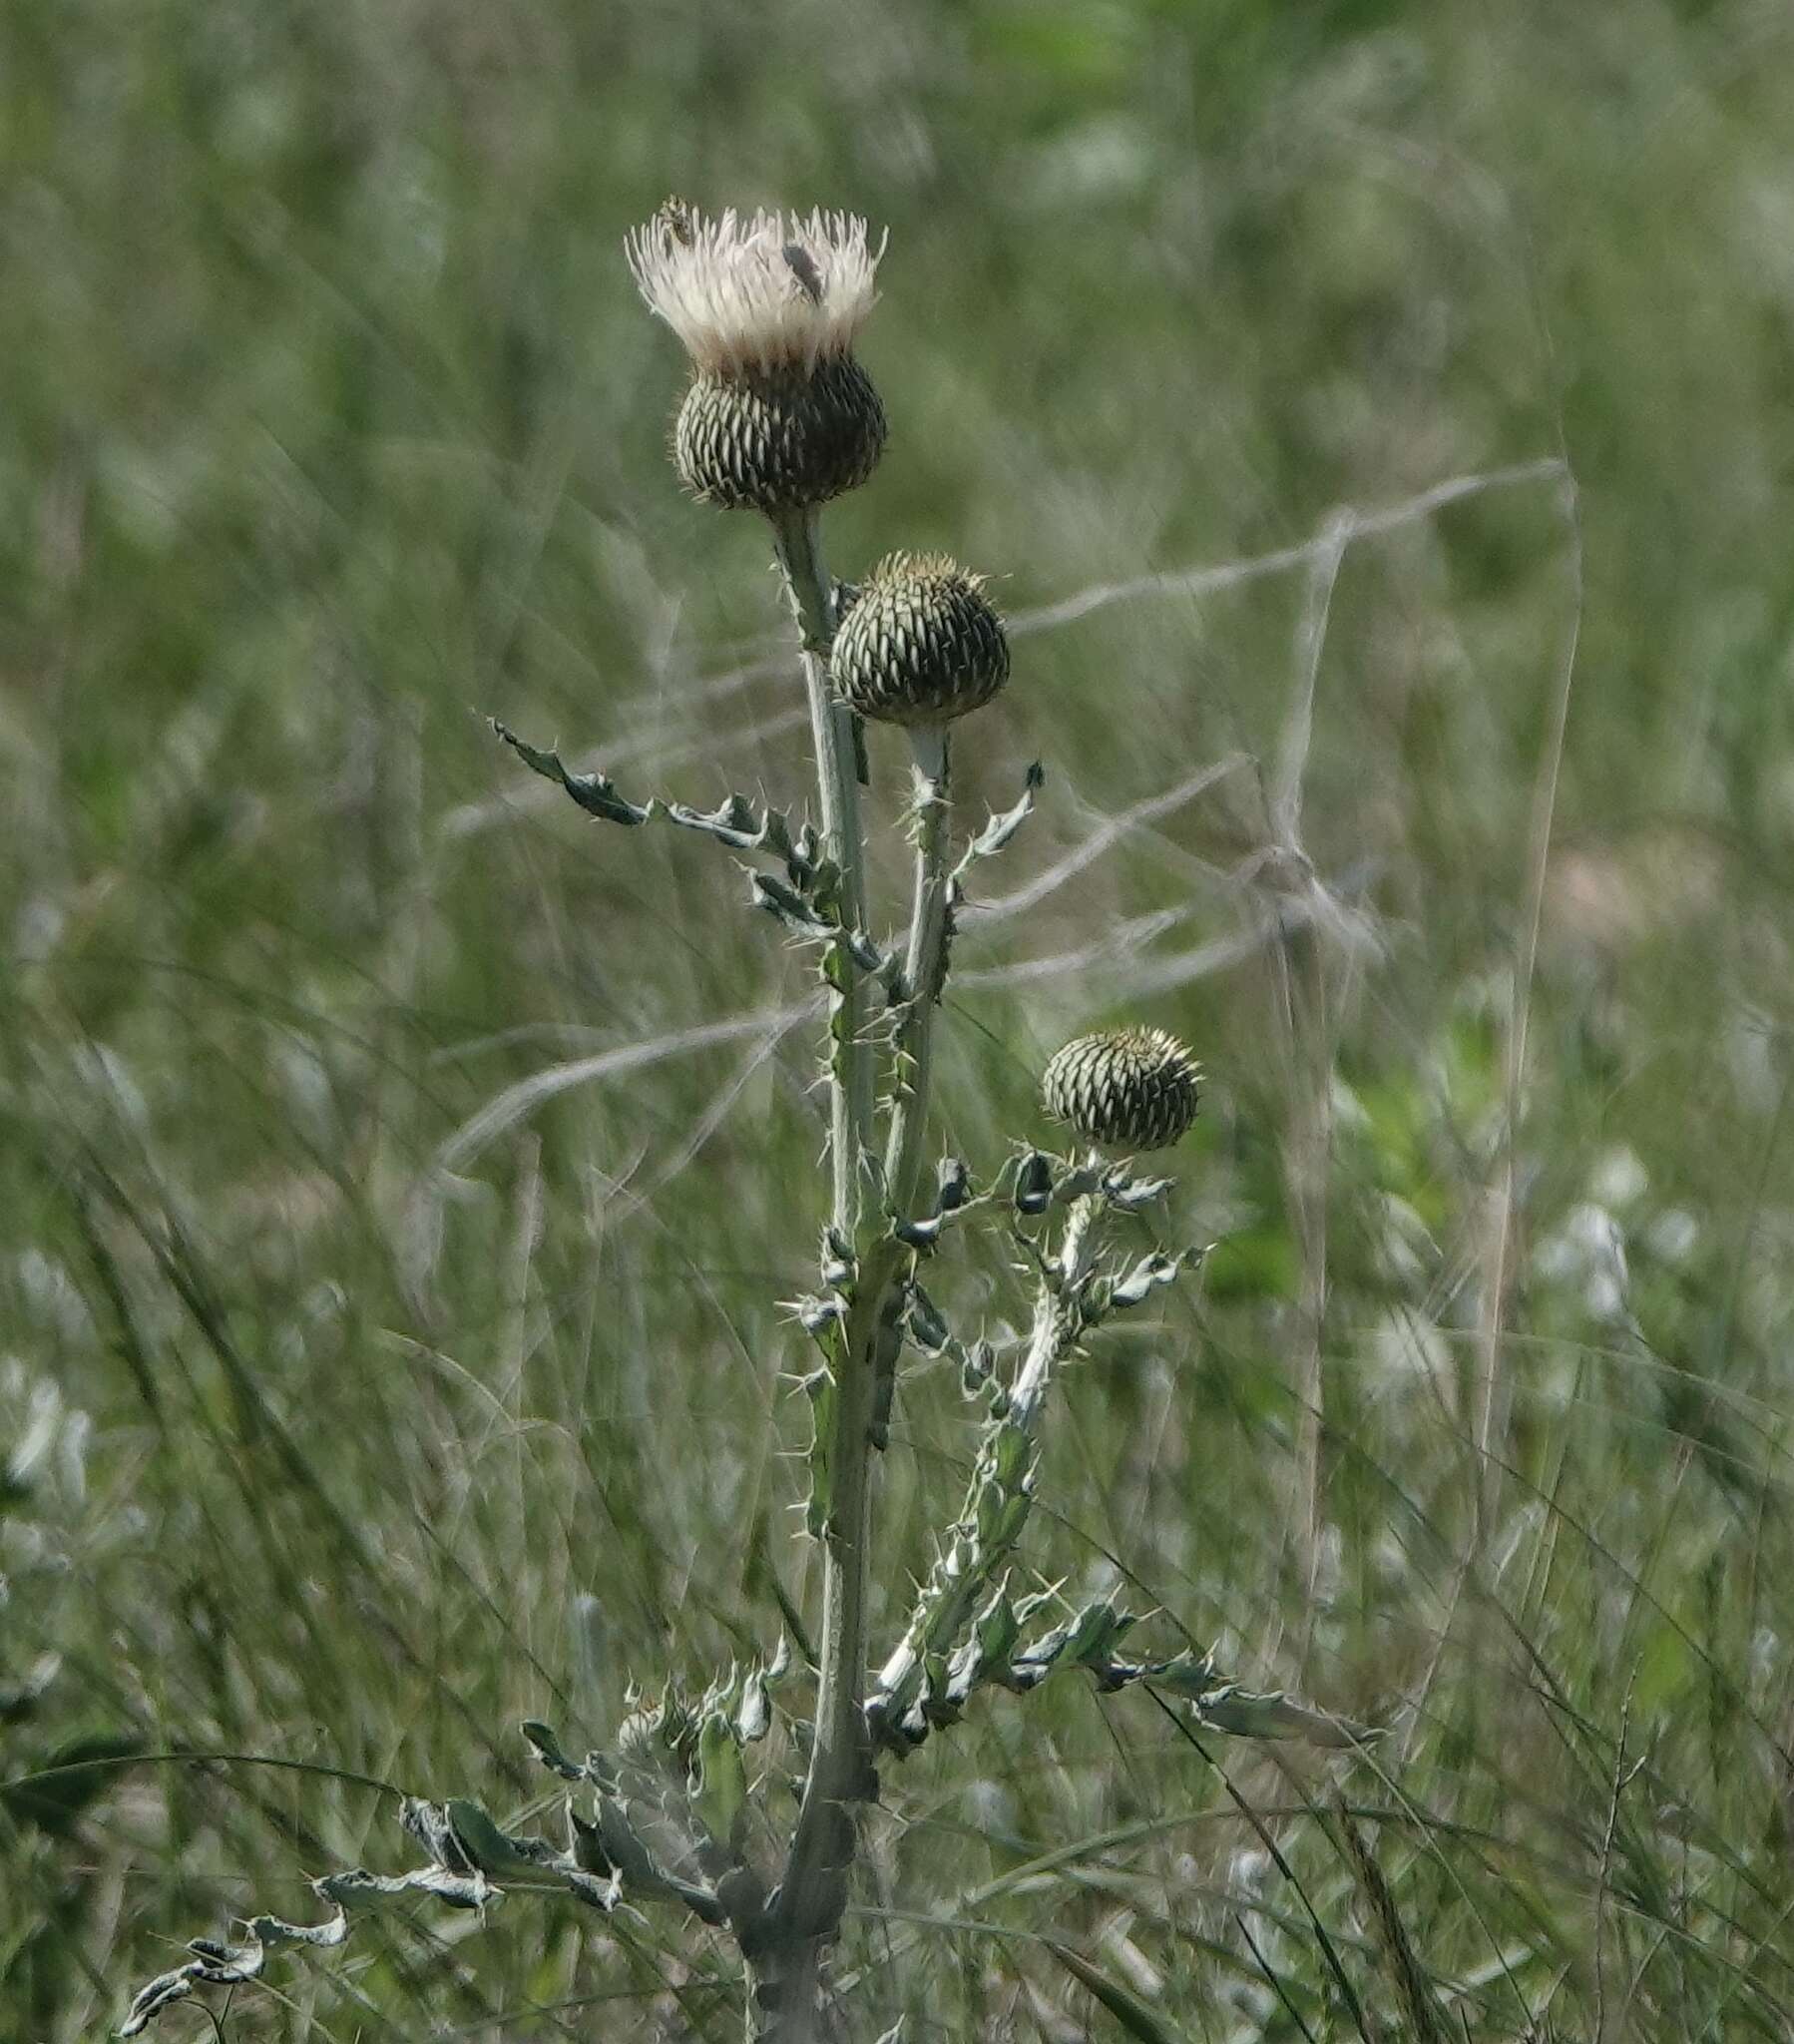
[(1123, 1089), (780, 415), (920, 644)]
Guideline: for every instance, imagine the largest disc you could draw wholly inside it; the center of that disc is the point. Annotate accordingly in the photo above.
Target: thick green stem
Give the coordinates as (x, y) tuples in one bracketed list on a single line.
[(813, 1894), (968, 1563), (1056, 1323), (831, 729), (923, 967), (782, 1995), (1306, 1161)]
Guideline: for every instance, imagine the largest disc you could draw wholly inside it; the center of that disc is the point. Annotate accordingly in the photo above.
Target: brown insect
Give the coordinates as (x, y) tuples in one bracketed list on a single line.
[(803, 266), (677, 222)]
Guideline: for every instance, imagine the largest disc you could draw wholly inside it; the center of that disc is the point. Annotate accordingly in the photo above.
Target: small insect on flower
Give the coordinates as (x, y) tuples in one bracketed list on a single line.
[(780, 415), (1123, 1089), (920, 643), (677, 222), (803, 266)]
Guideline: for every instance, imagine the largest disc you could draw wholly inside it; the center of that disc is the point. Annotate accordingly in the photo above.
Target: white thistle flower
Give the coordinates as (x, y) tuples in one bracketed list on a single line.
[(779, 417), (758, 293)]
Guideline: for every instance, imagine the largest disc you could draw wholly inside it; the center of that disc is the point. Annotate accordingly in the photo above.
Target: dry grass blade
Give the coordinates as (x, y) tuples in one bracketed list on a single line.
[(1134, 2016), (1407, 1977)]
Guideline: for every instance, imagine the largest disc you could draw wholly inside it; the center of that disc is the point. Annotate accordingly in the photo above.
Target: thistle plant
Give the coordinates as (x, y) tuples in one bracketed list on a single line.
[(740, 1806)]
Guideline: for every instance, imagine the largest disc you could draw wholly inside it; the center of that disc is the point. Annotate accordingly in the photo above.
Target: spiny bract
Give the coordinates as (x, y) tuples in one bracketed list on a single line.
[(778, 441)]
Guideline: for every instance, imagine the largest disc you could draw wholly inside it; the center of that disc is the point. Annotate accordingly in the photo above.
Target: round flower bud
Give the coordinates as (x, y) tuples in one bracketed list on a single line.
[(1123, 1089), (775, 441), (780, 415), (920, 644)]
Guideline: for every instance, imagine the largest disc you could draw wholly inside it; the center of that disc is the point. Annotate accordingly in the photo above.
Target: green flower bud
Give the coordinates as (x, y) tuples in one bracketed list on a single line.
[(781, 439), (1123, 1089), (920, 644)]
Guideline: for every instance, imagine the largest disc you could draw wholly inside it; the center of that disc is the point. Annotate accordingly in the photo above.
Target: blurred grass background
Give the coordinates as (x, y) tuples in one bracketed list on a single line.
[(354, 1406)]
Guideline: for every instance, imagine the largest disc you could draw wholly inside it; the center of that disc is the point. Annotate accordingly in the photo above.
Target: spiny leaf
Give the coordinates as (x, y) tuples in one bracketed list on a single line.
[(1128, 1194), (953, 1192), (1034, 1183), (721, 1791), (1139, 1282), (1278, 1716), (356, 1888), (753, 1718), (997, 1627), (492, 1851), (821, 1390), (223, 1965), (546, 1749), (926, 1326), (743, 828), (464, 1845), (151, 1999), (272, 1931), (790, 907), (595, 792), (1187, 1675), (1000, 828), (820, 1318)]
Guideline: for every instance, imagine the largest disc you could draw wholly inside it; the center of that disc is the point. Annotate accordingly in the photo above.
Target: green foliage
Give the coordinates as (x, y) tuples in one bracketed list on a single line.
[(399, 1181)]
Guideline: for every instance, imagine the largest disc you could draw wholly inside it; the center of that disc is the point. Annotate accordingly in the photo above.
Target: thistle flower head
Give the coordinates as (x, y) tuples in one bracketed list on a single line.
[(921, 643), (761, 292), (1123, 1089), (779, 416)]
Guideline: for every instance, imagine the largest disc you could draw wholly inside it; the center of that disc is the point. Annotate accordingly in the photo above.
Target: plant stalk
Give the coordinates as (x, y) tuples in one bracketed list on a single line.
[(1055, 1328), (813, 1894), (1307, 1150), (797, 542), (783, 2002), (924, 967), (966, 1565)]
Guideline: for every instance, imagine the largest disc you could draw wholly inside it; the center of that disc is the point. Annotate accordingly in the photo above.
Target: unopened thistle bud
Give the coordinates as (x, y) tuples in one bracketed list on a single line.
[(1123, 1089), (921, 643), (780, 415)]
